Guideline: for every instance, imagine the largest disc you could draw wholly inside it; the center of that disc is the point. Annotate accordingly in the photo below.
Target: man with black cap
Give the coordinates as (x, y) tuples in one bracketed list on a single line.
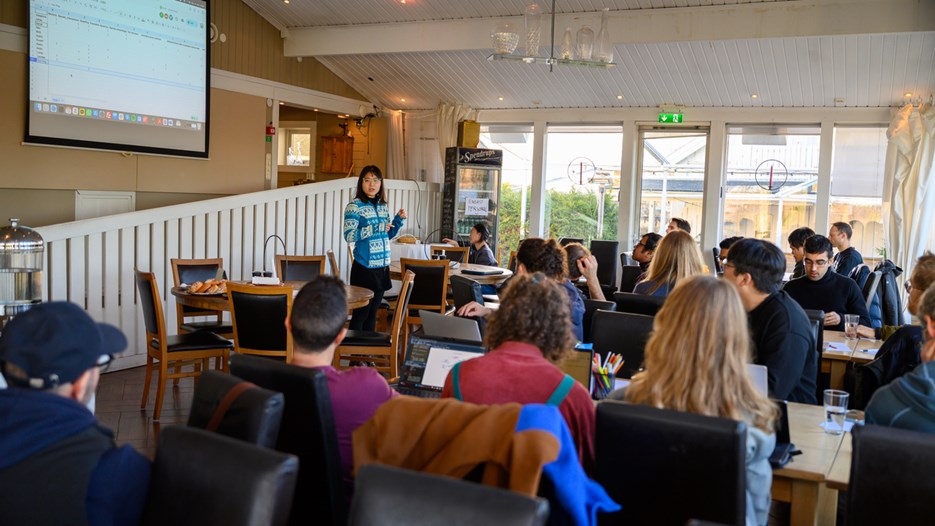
[(58, 465)]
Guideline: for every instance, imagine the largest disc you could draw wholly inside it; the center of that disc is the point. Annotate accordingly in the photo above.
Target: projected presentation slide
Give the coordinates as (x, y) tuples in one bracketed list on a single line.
[(124, 73)]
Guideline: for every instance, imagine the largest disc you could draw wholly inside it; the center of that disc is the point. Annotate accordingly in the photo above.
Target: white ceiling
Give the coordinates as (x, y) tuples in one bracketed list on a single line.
[(790, 53)]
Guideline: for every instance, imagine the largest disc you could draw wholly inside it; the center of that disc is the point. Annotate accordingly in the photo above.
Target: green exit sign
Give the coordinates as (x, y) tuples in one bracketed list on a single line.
[(667, 118)]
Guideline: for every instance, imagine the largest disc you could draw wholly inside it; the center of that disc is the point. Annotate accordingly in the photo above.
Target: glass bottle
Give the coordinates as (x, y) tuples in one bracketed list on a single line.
[(585, 43), (533, 17), (603, 48), (567, 50)]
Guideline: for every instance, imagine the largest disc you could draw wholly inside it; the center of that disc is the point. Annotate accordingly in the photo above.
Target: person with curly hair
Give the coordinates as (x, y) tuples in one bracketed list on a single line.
[(528, 335)]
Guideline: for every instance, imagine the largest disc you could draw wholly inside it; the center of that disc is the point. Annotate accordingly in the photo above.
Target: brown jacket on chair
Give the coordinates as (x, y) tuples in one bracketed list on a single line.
[(449, 437)]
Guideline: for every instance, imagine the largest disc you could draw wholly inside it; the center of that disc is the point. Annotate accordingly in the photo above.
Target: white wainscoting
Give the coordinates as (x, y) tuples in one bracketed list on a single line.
[(91, 262)]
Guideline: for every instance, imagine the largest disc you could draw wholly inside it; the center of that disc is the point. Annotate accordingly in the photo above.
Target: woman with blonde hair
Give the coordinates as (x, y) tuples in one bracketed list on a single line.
[(696, 361), (675, 259)]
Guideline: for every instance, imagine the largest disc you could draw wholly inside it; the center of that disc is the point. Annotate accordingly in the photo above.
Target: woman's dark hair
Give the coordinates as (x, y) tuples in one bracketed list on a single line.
[(483, 231), (574, 252), (540, 255), (367, 170)]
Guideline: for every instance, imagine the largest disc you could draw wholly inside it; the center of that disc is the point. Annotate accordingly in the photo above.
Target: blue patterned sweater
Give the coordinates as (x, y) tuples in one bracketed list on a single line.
[(365, 226)]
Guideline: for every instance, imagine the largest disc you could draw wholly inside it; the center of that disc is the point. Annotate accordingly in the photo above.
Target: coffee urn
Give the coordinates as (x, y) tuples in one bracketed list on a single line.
[(21, 256)]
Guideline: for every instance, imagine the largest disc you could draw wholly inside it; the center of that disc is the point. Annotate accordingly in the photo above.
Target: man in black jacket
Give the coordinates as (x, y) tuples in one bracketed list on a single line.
[(847, 257), (831, 292), (797, 245), (782, 335)]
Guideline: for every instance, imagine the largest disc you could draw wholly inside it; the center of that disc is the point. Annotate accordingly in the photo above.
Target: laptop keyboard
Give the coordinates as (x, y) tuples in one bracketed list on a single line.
[(420, 393)]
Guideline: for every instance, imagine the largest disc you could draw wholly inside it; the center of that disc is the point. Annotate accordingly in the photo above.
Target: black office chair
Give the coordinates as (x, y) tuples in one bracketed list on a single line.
[(605, 252), (718, 269), (816, 319), (628, 276), (569, 240), (690, 466), (590, 307), (465, 290), (388, 495), (891, 477), (638, 303), (307, 431), (624, 333), (231, 407), (201, 478)]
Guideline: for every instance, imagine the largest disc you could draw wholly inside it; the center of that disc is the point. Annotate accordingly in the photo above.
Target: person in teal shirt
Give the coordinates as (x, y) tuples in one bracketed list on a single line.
[(368, 227)]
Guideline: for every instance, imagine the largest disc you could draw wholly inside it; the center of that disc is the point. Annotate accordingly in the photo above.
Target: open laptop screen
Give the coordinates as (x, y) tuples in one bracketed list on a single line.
[(428, 361)]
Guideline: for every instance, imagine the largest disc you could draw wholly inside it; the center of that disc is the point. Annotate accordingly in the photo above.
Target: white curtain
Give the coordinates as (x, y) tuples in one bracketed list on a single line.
[(447, 117), (397, 165), (908, 195)]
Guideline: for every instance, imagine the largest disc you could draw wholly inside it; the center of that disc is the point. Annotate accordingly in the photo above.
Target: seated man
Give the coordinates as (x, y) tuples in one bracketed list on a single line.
[(643, 253), (725, 245), (847, 257), (796, 244), (782, 335), (57, 463), (581, 263), (908, 402), (831, 292), (677, 223), (317, 327)]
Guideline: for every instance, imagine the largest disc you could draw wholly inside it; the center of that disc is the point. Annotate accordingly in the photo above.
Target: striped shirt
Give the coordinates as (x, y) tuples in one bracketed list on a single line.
[(365, 226)]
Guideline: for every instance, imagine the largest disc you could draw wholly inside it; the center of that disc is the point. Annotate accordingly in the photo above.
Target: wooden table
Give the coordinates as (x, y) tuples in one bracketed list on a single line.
[(357, 297), (493, 279), (835, 362), (840, 475), (804, 482)]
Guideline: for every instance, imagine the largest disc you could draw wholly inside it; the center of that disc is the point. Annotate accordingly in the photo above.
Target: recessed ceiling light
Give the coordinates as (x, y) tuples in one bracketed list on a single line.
[(402, 1), (285, 1), (316, 109), (754, 96), (619, 97), (907, 94), (281, 103), (499, 98), (402, 100)]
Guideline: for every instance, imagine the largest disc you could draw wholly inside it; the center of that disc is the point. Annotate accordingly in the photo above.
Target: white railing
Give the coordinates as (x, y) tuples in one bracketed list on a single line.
[(91, 262)]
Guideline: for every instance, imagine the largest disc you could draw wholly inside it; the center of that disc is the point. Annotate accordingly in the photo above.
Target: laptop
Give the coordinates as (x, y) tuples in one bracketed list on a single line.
[(578, 364), (785, 449), (428, 361), (438, 325)]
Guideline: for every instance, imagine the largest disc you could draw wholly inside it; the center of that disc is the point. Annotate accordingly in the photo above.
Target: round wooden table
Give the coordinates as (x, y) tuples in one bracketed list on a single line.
[(357, 297), (489, 279)]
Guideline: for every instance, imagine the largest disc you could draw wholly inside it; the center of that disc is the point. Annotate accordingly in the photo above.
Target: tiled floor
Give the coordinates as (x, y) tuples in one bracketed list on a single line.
[(118, 407)]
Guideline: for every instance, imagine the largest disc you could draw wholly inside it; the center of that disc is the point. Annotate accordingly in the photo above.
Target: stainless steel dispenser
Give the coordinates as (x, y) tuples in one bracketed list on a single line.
[(21, 259)]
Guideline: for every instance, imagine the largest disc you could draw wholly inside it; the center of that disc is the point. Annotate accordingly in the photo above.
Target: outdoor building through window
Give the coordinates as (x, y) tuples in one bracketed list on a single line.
[(515, 183), (857, 186), (672, 178)]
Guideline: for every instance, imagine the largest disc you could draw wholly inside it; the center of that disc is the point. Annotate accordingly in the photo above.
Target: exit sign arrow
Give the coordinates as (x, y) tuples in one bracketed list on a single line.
[(670, 118)]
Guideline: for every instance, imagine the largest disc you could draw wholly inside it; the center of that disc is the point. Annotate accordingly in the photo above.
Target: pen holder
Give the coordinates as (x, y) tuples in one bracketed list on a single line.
[(603, 384)]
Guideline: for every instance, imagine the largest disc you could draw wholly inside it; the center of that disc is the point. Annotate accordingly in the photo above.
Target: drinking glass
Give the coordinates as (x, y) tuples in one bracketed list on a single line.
[(850, 326), (835, 411)]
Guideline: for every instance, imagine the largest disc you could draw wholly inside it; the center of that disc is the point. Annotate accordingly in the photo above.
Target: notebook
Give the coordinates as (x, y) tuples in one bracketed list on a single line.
[(436, 325), (785, 449), (428, 361)]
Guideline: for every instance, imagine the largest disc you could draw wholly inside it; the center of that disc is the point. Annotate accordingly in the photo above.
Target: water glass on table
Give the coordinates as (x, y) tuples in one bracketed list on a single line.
[(835, 411), (850, 328)]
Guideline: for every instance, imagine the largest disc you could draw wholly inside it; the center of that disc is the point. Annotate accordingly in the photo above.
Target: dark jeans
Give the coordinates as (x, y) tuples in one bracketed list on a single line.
[(377, 280)]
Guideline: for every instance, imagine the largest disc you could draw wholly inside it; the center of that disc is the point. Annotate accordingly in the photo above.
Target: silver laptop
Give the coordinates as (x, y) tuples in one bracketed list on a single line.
[(438, 325), (428, 361)]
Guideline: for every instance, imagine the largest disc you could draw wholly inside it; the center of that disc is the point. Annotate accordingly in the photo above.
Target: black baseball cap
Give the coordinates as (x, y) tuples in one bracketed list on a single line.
[(55, 343)]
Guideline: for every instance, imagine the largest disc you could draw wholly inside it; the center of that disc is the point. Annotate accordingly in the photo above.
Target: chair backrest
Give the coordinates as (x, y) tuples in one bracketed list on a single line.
[(816, 319), (624, 333), (403, 303), (638, 303), (511, 264), (569, 240), (203, 478), (252, 415), (628, 276), (590, 307), (189, 271), (388, 495), (430, 290), (153, 318), (258, 315), (335, 271), (606, 254), (700, 460), (465, 290), (307, 431), (870, 287), (891, 477), (299, 268), (459, 254)]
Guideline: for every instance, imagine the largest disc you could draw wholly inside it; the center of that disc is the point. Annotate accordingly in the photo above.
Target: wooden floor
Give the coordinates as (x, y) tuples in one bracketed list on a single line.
[(118, 408)]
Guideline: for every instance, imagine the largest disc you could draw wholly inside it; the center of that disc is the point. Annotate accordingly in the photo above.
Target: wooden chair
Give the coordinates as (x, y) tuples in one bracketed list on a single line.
[(511, 265), (193, 348), (258, 315), (380, 348), (431, 291), (335, 270), (459, 254), (299, 268), (189, 271)]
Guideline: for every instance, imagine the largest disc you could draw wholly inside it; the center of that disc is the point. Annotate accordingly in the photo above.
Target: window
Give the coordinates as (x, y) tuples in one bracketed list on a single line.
[(515, 182), (771, 183), (857, 186), (582, 178), (672, 178)]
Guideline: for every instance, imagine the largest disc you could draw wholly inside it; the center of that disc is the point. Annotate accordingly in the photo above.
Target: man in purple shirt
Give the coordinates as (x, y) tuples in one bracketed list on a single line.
[(317, 326)]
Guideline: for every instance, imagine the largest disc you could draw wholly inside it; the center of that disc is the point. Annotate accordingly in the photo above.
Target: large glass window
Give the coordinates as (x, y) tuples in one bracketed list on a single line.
[(857, 186), (771, 183), (582, 174), (515, 182), (672, 178)]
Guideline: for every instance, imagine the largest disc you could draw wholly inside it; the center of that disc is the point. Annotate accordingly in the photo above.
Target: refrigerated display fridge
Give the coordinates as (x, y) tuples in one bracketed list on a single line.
[(471, 192)]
